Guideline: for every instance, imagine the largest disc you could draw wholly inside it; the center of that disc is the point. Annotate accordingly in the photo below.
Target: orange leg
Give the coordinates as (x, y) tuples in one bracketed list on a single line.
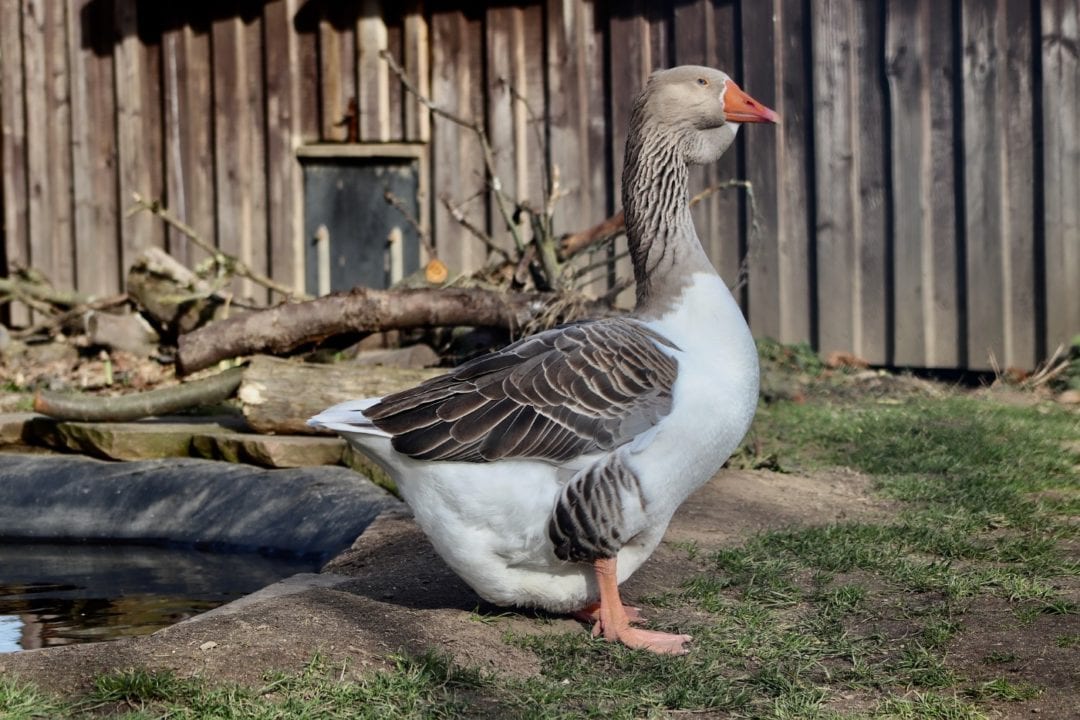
[(614, 622), (591, 614)]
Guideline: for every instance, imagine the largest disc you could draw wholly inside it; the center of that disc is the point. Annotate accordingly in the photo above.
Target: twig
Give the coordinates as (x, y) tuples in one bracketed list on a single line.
[(395, 202), (459, 216), (223, 260), (481, 135), (726, 185), (56, 321), (35, 291), (604, 264), (537, 125)]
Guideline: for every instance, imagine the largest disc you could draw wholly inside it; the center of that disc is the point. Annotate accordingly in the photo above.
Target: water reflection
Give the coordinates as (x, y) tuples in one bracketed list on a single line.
[(62, 594)]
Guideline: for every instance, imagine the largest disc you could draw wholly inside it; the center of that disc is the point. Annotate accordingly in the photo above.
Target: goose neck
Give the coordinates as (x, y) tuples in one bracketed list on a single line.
[(664, 246)]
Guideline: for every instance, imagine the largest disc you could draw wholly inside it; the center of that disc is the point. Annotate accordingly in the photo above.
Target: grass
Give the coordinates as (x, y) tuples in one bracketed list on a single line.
[(850, 620)]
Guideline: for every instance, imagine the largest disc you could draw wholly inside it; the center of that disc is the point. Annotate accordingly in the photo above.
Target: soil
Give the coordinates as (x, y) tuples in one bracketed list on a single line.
[(390, 593)]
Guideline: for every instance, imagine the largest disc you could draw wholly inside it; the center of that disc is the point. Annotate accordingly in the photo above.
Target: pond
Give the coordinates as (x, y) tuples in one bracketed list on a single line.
[(60, 594)]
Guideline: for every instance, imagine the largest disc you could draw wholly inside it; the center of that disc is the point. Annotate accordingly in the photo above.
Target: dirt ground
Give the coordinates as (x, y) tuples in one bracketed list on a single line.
[(391, 593)]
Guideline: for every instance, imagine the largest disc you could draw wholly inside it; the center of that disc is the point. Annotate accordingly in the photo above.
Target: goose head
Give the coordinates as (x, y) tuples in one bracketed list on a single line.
[(700, 108)]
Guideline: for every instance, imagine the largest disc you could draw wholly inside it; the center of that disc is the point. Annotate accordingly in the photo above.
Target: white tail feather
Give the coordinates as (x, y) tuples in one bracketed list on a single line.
[(348, 417)]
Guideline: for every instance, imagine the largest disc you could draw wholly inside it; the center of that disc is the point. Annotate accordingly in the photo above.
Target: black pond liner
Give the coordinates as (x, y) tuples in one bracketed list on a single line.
[(93, 550)]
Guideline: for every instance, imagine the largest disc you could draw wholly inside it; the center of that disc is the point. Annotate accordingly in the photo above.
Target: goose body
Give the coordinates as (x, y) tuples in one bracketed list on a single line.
[(546, 473)]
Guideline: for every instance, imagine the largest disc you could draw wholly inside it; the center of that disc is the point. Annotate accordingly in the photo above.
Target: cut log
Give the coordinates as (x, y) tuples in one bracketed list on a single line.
[(278, 396), (363, 310)]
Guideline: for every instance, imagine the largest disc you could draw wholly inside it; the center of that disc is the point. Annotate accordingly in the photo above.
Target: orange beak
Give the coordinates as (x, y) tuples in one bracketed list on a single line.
[(740, 107)]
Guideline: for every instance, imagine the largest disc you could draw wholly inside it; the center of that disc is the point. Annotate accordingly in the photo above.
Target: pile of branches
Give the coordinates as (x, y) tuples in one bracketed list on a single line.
[(192, 313)]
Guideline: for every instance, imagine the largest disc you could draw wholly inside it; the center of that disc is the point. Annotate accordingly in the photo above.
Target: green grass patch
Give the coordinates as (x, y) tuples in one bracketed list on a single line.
[(21, 701), (849, 620)]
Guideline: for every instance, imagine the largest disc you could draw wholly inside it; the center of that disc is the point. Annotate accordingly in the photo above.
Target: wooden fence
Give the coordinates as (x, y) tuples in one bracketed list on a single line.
[(919, 205)]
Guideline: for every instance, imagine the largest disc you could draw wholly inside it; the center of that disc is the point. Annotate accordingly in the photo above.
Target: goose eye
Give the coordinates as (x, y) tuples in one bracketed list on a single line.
[(702, 82)]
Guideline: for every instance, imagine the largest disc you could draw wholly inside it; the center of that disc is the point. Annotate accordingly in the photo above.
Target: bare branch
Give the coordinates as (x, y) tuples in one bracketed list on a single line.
[(397, 203), (478, 129), (476, 232), (224, 261)]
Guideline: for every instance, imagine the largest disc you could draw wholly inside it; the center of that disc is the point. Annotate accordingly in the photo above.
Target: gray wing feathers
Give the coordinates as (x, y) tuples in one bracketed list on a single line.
[(589, 521), (556, 395)]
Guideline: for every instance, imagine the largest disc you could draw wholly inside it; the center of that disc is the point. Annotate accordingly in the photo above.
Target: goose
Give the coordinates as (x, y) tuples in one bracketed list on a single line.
[(546, 473)]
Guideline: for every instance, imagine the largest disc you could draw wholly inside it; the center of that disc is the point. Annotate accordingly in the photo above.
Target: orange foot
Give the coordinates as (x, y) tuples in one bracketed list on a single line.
[(614, 620)]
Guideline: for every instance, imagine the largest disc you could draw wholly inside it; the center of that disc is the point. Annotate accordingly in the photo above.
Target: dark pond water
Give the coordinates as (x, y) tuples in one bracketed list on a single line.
[(63, 594)]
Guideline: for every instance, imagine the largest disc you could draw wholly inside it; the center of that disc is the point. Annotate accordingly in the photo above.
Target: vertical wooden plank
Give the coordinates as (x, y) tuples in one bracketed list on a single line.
[(1060, 31), (93, 152), (998, 164), (851, 232), (576, 121), (138, 125), (780, 289), (417, 53), (946, 349), (254, 92), (310, 82), (285, 189), (395, 45), (919, 71), (337, 71), (514, 37), (373, 73), (705, 35), (13, 148), (239, 163), (1015, 35), (48, 134), (189, 131), (457, 165)]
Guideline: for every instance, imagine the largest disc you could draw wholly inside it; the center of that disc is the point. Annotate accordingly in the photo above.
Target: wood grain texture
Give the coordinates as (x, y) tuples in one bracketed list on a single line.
[(998, 166), (515, 89), (48, 137), (13, 155), (93, 157), (576, 124), (189, 134), (238, 125), (284, 176), (138, 121), (457, 85), (337, 71), (1060, 31), (373, 74), (780, 301), (849, 174), (919, 71), (417, 52)]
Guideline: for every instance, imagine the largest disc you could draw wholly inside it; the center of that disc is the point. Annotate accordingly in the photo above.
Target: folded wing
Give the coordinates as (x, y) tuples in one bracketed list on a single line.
[(562, 393)]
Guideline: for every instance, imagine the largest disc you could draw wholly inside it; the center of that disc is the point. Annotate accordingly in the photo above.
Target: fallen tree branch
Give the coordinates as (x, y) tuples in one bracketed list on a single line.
[(361, 310), (123, 408)]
